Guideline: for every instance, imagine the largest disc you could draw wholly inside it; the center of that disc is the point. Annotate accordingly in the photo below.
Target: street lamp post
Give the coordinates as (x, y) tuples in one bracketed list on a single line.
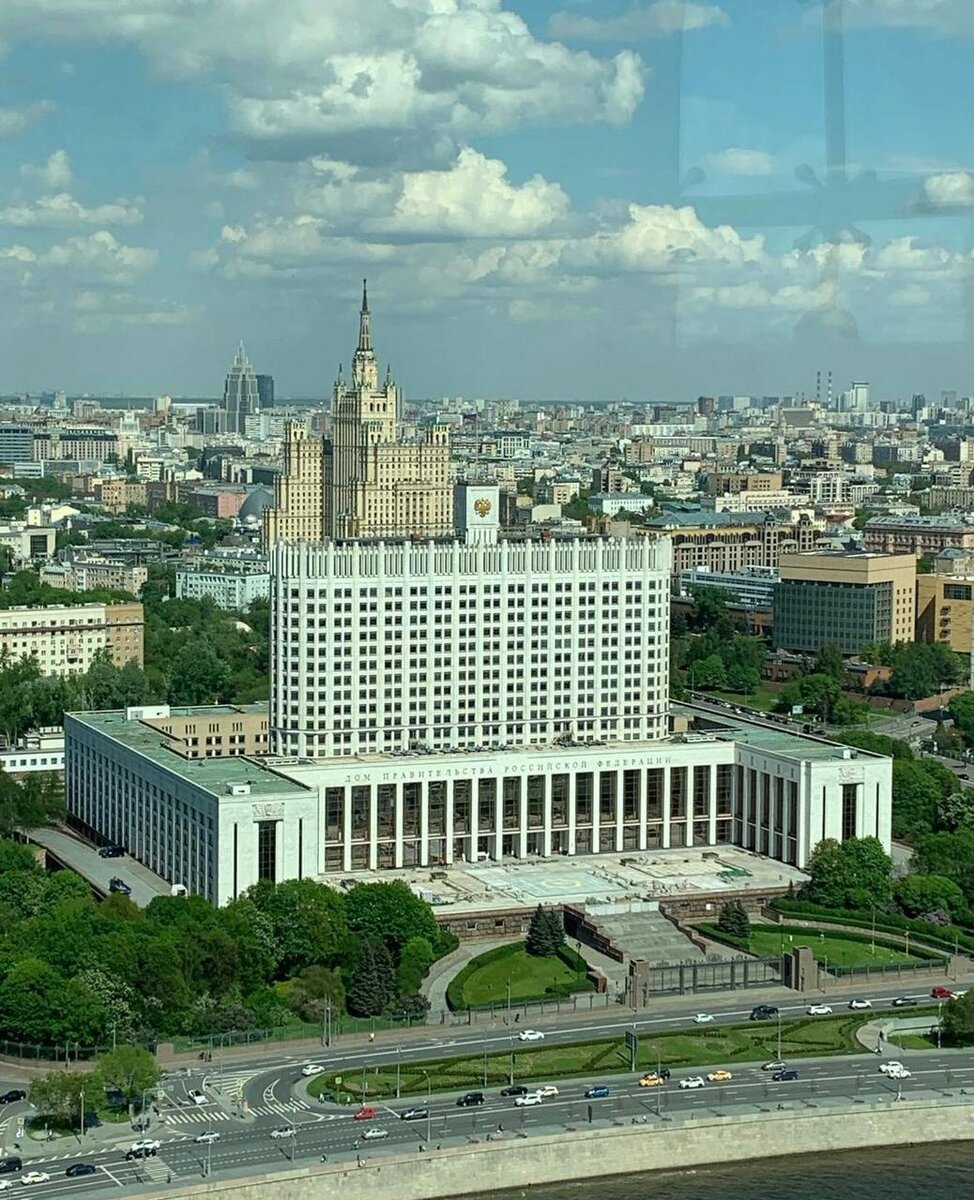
[(429, 1110), (940, 1009), (779, 1034), (510, 1077), (81, 1094), (398, 1070)]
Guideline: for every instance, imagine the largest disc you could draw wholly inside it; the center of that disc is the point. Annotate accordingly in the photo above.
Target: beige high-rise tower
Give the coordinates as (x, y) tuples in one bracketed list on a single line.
[(367, 481)]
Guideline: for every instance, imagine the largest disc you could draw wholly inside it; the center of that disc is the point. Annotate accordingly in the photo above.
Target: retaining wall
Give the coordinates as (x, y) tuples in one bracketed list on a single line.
[(590, 1153)]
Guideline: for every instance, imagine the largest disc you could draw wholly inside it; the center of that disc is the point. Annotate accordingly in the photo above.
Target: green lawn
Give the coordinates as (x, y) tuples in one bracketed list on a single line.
[(485, 979), (762, 699), (533, 1062), (840, 951)]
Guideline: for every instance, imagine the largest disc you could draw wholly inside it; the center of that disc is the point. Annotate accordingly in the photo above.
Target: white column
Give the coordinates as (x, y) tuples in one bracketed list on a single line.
[(373, 827), (572, 810), (474, 838), (400, 840), (596, 813), (643, 777), (665, 841), (448, 853), (546, 818), (617, 775), (522, 817), (712, 831), (424, 825), (498, 818), (347, 829)]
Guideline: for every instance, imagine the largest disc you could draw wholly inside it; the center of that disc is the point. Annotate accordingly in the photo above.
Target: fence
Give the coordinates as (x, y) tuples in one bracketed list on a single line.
[(693, 977), (69, 1052), (866, 970)]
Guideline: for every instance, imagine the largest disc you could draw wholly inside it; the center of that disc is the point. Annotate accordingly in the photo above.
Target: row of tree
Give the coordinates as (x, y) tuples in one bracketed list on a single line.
[(73, 970)]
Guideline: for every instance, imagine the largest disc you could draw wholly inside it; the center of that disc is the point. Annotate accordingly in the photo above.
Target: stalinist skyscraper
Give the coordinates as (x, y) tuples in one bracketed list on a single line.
[(373, 482)]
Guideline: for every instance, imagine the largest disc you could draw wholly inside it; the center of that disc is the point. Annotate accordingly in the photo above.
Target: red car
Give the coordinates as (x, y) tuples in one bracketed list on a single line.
[(366, 1114), (942, 993)]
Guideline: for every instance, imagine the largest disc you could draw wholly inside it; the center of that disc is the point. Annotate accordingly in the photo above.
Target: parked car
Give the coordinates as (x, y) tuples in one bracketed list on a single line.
[(784, 1076), (819, 1010), (77, 1169), (470, 1099), (13, 1096), (860, 1003), (905, 1002), (284, 1131), (703, 1018), (375, 1134), (529, 1100), (367, 1113), (414, 1114), (776, 1064), (111, 852), (941, 993), (598, 1092), (312, 1069), (692, 1081), (119, 886), (207, 1138), (516, 1089), (720, 1076), (530, 1035)]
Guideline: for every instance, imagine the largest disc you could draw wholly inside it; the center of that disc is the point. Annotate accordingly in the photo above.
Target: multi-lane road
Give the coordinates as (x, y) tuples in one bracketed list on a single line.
[(268, 1096)]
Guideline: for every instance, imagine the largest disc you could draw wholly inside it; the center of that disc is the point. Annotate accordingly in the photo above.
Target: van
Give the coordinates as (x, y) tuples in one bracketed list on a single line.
[(470, 1099), (11, 1164)]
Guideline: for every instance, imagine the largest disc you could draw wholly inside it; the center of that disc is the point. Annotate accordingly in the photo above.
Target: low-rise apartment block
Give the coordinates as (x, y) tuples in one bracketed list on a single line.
[(65, 639)]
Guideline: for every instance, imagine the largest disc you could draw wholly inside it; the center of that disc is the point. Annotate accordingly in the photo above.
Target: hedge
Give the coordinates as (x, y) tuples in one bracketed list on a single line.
[(942, 937), (571, 959)]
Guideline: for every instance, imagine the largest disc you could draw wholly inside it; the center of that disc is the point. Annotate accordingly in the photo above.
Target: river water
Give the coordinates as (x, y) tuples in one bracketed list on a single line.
[(927, 1172)]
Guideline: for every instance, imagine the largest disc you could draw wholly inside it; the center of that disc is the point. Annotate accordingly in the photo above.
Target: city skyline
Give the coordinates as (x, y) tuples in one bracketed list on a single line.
[(589, 203)]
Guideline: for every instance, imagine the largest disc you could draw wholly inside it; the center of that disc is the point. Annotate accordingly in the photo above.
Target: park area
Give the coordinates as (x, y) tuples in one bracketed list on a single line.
[(831, 949), (510, 972), (535, 1063)]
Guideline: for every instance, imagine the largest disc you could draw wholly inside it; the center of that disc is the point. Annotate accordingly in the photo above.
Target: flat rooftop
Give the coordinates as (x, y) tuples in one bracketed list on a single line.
[(212, 774), (590, 880)]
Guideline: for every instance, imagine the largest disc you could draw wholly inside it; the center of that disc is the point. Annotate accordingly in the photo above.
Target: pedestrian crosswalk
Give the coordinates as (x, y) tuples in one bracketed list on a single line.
[(230, 1083), (207, 1115)]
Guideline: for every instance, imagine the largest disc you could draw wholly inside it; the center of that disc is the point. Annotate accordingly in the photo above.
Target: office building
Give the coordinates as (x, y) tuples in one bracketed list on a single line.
[(88, 572), (848, 600), (945, 602), (231, 582), (65, 639), (265, 392), (726, 542), (28, 543), (752, 588), (240, 394), (918, 535)]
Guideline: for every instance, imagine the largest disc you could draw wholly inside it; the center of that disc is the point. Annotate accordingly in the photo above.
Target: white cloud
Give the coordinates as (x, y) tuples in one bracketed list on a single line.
[(55, 173), (952, 18), (658, 19), (736, 160), (99, 256), (14, 121), (374, 80), (101, 312), (950, 189), (64, 212), (471, 199)]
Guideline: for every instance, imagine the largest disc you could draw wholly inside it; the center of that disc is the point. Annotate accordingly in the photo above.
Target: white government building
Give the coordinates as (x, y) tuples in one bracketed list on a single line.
[(441, 702)]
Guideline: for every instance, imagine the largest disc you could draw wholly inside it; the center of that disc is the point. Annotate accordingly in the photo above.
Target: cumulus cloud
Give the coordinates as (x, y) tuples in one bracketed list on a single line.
[(15, 121), (55, 173), (950, 189), (370, 79), (100, 256), (658, 19), (736, 160), (103, 311), (62, 211)]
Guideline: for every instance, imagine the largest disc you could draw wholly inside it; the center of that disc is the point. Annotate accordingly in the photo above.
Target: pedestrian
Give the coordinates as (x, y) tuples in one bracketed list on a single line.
[(421, 1150), (438, 1145), (371, 1037)]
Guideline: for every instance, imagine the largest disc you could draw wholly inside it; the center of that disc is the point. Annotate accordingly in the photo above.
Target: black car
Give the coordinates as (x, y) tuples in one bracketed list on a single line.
[(470, 1099), (784, 1076), (111, 852), (414, 1114), (13, 1163), (119, 885), (132, 1155), (13, 1096), (763, 1012), (516, 1089), (905, 1002), (80, 1169)]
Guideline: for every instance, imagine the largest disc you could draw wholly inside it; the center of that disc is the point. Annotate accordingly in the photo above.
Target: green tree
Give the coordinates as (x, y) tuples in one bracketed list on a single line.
[(956, 811), (539, 940), (199, 676), (60, 1094), (961, 710), (829, 661), (957, 1021), (915, 799), (371, 986), (949, 854), (129, 1070), (391, 911), (308, 921), (709, 673), (921, 895), (733, 919), (852, 874), (415, 961), (709, 610)]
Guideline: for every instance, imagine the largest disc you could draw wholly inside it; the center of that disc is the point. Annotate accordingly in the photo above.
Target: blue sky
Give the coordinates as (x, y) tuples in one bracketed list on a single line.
[(553, 199)]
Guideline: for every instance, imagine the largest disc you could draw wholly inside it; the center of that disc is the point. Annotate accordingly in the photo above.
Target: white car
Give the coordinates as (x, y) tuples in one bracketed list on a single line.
[(196, 1096), (208, 1138), (902, 1073), (889, 1068), (692, 1081), (529, 1100), (313, 1069), (546, 1091), (860, 1003), (35, 1177), (703, 1019), (530, 1035), (284, 1131), (776, 1064), (149, 1144), (819, 1010), (375, 1134), (5, 1185)]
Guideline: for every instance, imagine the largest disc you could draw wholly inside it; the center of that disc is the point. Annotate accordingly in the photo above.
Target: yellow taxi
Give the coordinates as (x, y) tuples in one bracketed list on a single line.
[(719, 1077), (651, 1080)]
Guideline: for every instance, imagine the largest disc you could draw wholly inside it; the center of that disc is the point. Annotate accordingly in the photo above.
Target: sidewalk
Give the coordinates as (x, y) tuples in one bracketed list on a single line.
[(443, 972)]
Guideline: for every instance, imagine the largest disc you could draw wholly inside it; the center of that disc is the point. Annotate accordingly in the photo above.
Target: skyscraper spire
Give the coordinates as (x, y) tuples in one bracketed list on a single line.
[(365, 321)]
